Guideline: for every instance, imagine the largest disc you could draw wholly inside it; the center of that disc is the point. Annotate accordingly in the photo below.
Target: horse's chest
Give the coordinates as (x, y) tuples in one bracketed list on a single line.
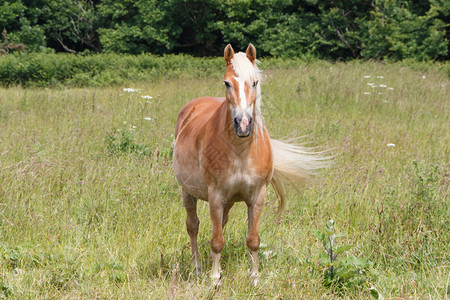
[(242, 180)]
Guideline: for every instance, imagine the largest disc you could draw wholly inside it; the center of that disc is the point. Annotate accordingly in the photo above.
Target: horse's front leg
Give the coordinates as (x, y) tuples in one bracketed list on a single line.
[(216, 202), (192, 224), (255, 205)]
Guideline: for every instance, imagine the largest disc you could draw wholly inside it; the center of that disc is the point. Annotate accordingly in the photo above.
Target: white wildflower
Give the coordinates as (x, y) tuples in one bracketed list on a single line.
[(148, 119), (134, 127), (128, 90), (366, 93), (385, 101), (367, 76), (390, 88), (390, 145), (383, 85), (18, 271), (423, 77), (146, 97), (380, 77)]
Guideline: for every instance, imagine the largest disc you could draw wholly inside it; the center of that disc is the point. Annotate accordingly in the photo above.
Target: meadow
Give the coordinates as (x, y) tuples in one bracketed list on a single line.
[(90, 208)]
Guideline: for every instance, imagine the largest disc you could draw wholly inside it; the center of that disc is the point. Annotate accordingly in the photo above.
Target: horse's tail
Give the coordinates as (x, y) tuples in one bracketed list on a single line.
[(294, 165)]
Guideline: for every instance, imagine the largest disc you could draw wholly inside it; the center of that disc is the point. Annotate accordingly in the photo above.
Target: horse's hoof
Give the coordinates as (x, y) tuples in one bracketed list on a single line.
[(254, 278), (198, 267), (216, 280), (217, 283)]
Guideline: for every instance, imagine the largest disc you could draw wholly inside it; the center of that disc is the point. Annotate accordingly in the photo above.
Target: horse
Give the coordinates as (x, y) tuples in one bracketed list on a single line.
[(223, 154)]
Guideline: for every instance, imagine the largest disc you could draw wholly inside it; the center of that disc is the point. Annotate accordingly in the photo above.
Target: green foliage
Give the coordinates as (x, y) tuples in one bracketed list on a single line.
[(40, 69), (31, 36), (342, 30), (6, 46), (10, 12), (70, 25), (139, 26), (63, 25), (50, 69), (123, 141), (394, 32), (346, 271)]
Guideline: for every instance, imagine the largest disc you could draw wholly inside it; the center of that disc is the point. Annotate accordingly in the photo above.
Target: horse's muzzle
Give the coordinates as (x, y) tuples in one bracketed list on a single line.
[(243, 124)]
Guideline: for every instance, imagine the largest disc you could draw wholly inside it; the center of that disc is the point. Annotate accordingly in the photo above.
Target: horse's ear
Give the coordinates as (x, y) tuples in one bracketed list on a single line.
[(251, 53), (228, 54)]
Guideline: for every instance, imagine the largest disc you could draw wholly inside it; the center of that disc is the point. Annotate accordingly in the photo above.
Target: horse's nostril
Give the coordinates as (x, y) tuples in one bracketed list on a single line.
[(236, 122)]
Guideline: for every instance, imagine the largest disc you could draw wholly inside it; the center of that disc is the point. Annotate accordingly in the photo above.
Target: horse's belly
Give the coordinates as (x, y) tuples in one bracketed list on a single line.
[(189, 176)]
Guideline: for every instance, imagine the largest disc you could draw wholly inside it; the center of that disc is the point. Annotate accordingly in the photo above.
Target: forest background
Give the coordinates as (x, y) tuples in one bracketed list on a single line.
[(332, 30)]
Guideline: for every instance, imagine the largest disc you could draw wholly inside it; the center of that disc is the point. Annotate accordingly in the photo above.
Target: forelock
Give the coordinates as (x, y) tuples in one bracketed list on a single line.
[(244, 68)]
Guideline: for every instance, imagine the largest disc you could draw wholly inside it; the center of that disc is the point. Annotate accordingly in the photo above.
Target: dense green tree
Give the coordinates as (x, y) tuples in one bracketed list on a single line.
[(70, 24), (134, 27), (395, 32), (336, 30)]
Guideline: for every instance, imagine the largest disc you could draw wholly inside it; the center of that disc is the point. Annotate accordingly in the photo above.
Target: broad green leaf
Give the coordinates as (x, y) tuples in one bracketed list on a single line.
[(319, 235), (343, 248), (340, 234)]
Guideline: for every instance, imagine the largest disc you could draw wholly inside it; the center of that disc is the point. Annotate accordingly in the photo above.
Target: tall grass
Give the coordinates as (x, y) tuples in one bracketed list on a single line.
[(83, 217)]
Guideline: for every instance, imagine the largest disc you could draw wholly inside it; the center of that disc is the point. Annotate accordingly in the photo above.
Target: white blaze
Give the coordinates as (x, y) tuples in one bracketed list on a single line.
[(241, 83)]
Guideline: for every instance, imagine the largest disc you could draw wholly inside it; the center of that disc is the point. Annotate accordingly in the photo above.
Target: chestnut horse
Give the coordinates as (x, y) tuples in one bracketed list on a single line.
[(223, 154)]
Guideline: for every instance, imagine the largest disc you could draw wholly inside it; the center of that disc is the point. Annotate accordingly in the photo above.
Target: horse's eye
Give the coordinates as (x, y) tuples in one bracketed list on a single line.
[(227, 83), (255, 83)]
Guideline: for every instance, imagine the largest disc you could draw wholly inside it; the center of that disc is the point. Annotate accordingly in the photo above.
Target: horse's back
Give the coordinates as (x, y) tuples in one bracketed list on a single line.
[(197, 110)]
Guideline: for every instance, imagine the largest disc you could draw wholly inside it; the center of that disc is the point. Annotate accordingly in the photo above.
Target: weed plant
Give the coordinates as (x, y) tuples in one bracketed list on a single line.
[(340, 272)]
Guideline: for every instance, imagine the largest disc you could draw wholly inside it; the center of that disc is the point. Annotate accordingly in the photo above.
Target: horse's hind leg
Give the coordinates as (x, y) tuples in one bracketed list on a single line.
[(192, 224)]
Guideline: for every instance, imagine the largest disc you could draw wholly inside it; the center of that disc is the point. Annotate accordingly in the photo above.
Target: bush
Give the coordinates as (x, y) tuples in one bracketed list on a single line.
[(39, 69), (50, 69)]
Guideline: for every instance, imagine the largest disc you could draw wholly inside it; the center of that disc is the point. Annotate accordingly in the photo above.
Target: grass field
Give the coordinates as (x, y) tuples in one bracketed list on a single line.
[(90, 208)]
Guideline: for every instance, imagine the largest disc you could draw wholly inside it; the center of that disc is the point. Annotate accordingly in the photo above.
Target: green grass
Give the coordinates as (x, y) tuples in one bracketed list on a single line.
[(83, 218)]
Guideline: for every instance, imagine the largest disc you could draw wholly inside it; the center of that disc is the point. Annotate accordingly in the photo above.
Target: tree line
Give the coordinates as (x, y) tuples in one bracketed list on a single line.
[(335, 30)]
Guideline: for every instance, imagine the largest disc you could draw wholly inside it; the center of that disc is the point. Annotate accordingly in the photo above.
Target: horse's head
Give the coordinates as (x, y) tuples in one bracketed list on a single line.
[(242, 85)]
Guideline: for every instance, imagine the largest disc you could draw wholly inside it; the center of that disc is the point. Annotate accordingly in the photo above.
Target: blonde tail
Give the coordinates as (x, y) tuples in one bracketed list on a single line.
[(294, 165)]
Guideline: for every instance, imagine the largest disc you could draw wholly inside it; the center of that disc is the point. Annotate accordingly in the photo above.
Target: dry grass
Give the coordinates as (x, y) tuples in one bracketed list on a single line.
[(80, 221)]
